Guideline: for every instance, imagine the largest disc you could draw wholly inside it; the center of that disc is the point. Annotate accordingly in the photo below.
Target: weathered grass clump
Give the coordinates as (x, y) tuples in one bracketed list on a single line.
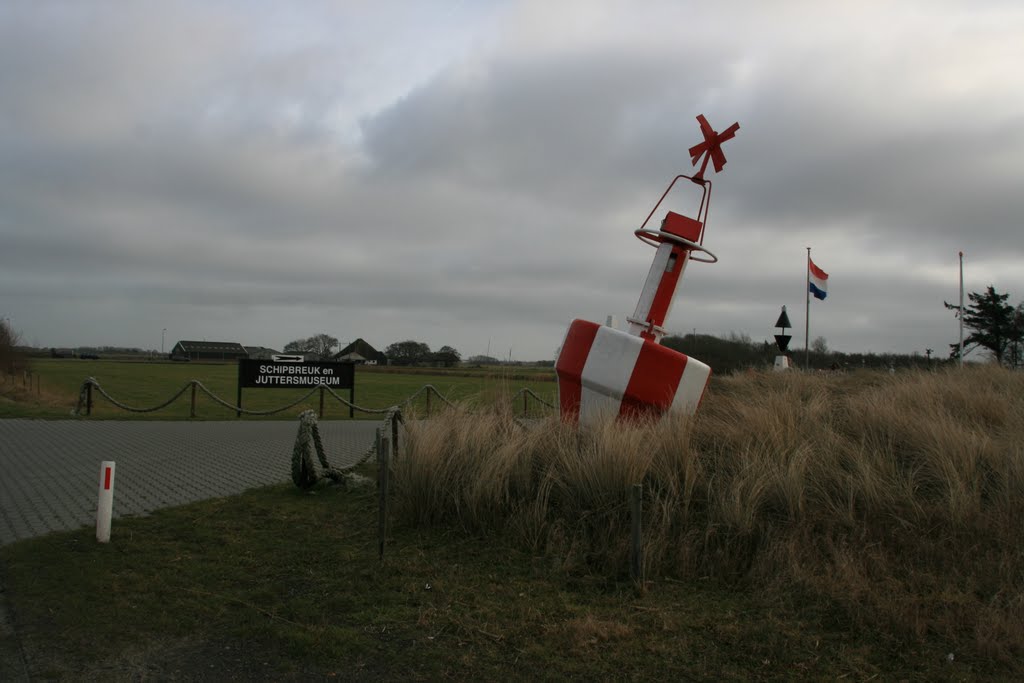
[(898, 498)]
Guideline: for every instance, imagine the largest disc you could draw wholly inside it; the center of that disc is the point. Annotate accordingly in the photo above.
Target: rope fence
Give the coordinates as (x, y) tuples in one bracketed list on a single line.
[(307, 442), (91, 386)]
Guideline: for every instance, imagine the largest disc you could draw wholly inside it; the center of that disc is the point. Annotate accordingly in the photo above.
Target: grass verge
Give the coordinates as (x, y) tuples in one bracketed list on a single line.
[(278, 584), (899, 500)]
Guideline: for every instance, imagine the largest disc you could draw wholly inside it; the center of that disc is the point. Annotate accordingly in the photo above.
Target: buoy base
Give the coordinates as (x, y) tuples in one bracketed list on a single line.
[(604, 372)]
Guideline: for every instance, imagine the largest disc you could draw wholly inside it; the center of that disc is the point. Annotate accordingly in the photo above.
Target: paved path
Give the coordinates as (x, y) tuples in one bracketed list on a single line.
[(49, 470)]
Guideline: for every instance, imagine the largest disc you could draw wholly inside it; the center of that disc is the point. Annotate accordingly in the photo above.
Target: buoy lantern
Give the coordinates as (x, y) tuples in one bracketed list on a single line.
[(605, 372)]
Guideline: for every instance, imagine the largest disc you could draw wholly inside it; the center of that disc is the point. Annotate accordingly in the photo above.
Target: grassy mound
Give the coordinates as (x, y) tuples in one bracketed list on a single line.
[(897, 497)]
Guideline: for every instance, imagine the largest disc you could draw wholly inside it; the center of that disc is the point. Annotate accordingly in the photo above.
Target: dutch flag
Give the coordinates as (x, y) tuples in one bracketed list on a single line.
[(818, 281)]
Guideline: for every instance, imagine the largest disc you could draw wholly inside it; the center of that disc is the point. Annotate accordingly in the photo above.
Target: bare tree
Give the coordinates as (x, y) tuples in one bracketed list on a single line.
[(11, 360), (320, 345)]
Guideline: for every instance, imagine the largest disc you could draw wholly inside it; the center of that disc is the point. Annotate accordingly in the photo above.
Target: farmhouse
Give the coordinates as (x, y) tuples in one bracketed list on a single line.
[(361, 352), (204, 350), (260, 352)]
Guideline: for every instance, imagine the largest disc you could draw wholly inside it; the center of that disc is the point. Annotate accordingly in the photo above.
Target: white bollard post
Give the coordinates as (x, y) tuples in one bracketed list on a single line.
[(106, 501)]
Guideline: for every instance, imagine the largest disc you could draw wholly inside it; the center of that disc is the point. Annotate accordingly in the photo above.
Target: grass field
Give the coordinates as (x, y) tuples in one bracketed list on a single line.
[(859, 526), (146, 384)]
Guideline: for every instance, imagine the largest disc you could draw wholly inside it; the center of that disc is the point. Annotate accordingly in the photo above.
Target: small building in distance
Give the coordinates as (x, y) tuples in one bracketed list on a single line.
[(204, 350), (260, 352), (360, 352)]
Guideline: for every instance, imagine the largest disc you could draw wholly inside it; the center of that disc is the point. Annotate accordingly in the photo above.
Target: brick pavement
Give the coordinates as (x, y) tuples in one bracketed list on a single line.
[(49, 470)]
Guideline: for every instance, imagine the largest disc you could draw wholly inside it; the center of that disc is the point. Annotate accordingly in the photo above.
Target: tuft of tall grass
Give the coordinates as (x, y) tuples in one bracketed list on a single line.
[(897, 497)]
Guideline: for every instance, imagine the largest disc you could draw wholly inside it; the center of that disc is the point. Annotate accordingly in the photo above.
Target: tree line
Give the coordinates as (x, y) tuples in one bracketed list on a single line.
[(12, 360), (323, 346)]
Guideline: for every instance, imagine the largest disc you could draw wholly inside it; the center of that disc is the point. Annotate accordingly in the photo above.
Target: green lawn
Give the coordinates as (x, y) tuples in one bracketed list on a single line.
[(146, 384)]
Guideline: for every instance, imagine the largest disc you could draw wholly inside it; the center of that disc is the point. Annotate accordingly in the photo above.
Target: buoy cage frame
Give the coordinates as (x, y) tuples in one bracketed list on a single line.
[(655, 237)]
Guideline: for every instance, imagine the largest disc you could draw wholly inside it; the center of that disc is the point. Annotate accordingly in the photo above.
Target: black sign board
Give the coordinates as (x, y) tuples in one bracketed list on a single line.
[(271, 374)]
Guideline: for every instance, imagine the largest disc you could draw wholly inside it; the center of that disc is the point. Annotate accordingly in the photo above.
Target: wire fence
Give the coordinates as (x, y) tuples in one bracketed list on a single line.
[(91, 387)]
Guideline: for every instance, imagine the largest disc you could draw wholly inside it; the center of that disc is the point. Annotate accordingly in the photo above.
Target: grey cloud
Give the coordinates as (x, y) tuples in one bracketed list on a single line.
[(217, 181)]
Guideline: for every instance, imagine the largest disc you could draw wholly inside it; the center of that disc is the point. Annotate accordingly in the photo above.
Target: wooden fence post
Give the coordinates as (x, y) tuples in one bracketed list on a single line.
[(635, 548), (394, 437), (88, 399), (526, 404), (382, 486), (428, 401), (321, 402), (192, 407)]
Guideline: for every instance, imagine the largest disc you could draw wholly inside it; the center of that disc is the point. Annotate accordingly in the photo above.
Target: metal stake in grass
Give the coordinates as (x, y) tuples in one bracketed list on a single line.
[(383, 456)]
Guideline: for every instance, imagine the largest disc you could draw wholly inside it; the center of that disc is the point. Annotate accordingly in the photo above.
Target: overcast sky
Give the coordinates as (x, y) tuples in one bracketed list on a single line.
[(470, 173)]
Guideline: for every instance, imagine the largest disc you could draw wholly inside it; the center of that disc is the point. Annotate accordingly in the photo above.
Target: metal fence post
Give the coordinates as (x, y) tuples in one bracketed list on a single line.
[(428, 401), (192, 406), (321, 414), (88, 399)]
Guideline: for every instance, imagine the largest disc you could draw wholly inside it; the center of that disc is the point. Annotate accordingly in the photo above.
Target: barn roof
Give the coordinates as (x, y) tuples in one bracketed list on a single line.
[(211, 347), (362, 348)]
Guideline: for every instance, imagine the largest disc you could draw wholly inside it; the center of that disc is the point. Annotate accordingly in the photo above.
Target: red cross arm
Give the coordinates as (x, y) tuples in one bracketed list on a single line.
[(711, 148)]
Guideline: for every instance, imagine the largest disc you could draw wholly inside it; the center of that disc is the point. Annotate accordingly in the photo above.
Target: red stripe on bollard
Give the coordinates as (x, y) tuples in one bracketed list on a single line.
[(106, 480)]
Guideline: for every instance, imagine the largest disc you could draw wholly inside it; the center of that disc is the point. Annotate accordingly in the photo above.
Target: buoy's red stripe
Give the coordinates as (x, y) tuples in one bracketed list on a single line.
[(569, 368), (654, 381)]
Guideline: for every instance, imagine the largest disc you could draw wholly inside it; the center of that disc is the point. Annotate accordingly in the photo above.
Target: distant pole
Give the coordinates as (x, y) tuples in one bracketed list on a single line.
[(961, 354), (162, 332), (807, 315)]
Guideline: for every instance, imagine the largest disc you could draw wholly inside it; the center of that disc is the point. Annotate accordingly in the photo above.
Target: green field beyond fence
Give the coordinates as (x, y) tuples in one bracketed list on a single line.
[(146, 384)]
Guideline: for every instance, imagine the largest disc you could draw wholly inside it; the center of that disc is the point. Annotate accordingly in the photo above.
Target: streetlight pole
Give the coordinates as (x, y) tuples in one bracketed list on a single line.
[(961, 311), (162, 340)]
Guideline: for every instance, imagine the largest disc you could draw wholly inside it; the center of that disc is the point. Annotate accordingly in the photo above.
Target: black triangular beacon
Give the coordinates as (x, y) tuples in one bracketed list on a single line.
[(783, 320), (782, 340)]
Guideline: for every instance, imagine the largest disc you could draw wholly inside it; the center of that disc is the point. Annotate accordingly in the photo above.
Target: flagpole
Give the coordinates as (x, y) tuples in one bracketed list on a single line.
[(807, 314), (961, 355)]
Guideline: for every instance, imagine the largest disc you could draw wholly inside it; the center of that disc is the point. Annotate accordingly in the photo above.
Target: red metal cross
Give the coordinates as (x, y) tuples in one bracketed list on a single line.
[(711, 148)]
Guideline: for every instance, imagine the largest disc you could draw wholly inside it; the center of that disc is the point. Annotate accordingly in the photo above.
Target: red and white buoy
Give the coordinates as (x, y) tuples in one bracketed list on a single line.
[(603, 371)]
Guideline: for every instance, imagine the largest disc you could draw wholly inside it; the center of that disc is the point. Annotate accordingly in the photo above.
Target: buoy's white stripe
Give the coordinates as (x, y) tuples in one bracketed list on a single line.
[(595, 406), (651, 284), (611, 360), (691, 387)]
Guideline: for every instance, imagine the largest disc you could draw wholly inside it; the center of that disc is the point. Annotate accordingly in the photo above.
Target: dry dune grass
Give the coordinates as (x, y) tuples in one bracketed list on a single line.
[(898, 498)]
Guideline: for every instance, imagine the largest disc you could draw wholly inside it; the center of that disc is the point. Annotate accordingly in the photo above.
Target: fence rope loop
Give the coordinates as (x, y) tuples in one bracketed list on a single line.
[(304, 471), (531, 392)]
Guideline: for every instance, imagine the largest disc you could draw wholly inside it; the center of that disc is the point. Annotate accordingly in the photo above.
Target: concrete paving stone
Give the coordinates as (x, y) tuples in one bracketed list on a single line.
[(52, 468)]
